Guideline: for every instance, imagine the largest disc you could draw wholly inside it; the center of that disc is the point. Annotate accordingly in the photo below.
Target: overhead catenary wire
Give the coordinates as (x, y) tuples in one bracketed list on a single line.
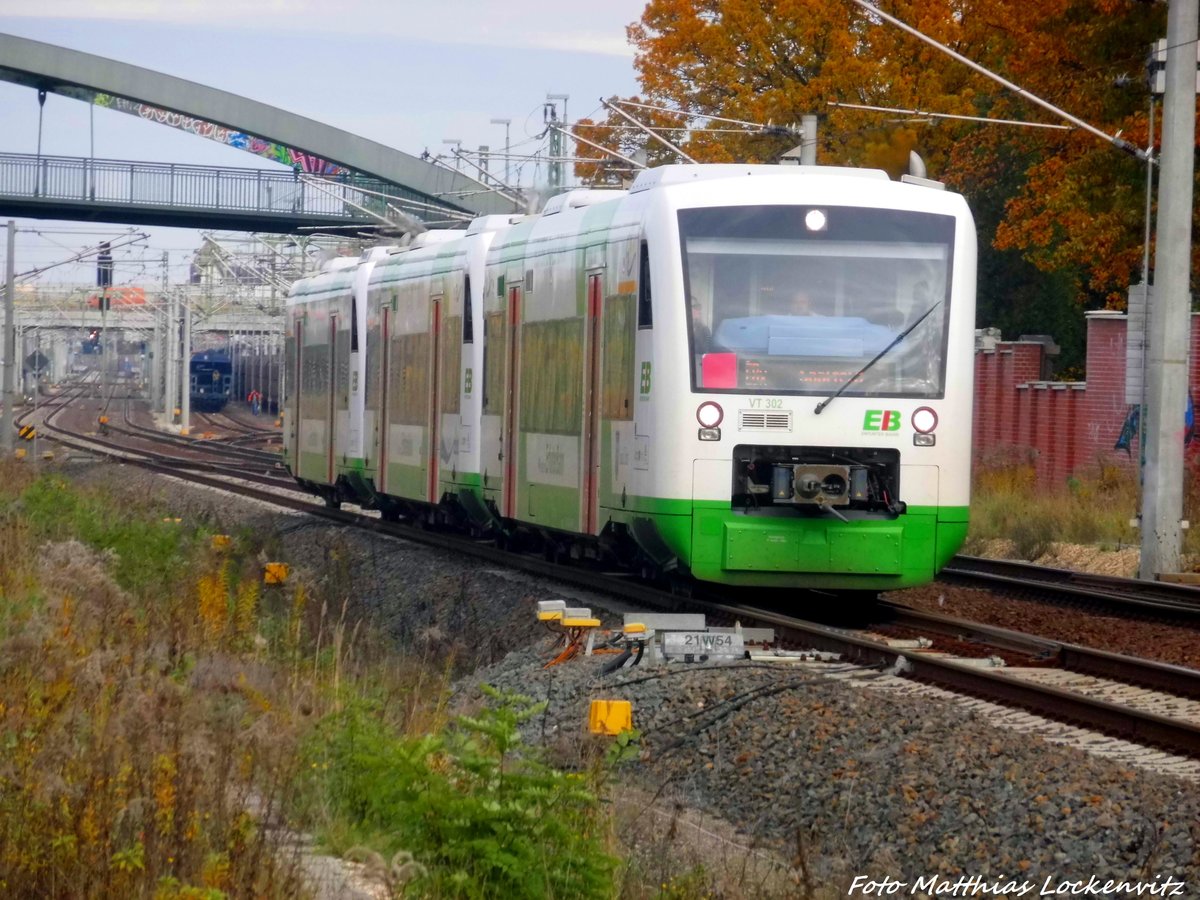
[(504, 190), (387, 198), (601, 148), (773, 129), (83, 254), (688, 129), (934, 115), (1114, 140), (658, 137)]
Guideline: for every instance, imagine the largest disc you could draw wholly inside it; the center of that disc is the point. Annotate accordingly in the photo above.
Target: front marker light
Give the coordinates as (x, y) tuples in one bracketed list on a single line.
[(710, 434), (924, 420), (924, 440), (709, 414)]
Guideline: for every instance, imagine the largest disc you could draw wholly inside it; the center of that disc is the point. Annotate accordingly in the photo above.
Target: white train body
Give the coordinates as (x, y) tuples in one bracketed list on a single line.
[(647, 374)]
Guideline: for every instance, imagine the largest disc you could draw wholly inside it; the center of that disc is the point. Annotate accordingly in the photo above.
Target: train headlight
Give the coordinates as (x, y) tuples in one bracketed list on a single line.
[(924, 420), (815, 220), (709, 414), (709, 434)]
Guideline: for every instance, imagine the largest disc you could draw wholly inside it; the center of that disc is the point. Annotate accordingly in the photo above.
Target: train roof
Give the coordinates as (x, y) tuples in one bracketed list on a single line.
[(214, 355), (826, 184), (338, 279), (664, 176), (445, 247)]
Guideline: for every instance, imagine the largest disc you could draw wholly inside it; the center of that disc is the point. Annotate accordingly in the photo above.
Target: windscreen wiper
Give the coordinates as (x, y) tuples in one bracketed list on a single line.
[(882, 353)]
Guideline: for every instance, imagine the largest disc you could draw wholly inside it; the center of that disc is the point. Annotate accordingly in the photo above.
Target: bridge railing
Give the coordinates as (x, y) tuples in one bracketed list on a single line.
[(108, 181)]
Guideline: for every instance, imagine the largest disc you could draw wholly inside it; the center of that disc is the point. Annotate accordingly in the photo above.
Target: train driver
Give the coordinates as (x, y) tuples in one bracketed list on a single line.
[(802, 304)]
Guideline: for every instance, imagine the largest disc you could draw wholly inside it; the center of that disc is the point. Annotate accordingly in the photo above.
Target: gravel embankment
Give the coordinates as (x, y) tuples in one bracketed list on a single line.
[(874, 782), (864, 782)]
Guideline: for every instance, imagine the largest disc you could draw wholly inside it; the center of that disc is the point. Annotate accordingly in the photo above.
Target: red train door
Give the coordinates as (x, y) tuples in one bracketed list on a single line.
[(385, 376), (435, 418), (509, 441), (297, 391), (330, 405), (590, 506)]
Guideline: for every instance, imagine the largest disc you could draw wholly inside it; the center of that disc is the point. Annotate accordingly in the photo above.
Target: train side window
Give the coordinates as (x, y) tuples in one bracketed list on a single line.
[(468, 335), (645, 311), (353, 324)]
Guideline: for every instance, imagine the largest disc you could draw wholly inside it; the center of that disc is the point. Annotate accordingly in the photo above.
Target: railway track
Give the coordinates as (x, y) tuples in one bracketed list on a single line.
[(243, 457), (197, 456), (1139, 700), (1155, 599), (242, 432)]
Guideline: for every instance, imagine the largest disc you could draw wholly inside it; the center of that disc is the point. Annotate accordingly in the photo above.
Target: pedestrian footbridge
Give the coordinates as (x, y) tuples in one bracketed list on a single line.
[(139, 193), (368, 178)]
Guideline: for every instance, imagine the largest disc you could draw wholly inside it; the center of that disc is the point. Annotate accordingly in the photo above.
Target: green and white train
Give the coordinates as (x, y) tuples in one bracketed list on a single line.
[(752, 375)]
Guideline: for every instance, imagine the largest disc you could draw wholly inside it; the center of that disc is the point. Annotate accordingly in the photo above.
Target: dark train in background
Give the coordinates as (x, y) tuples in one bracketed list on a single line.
[(211, 380)]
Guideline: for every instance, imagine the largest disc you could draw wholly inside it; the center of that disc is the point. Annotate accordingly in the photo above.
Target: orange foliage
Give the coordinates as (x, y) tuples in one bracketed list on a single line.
[(1069, 201)]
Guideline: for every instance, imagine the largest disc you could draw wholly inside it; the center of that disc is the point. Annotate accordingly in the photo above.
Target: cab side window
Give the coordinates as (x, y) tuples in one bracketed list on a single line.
[(645, 315)]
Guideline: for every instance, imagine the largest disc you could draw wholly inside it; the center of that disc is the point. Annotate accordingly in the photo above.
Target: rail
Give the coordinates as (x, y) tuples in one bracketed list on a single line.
[(1155, 598)]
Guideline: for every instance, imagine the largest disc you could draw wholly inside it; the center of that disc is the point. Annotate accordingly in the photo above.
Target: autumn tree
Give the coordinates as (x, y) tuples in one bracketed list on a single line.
[(1059, 211)]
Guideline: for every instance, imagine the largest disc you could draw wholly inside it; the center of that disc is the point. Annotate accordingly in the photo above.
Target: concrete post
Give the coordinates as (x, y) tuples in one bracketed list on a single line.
[(1168, 329), (808, 144), (10, 341), (37, 374), (170, 358), (156, 359), (281, 385), (273, 347), (185, 373), (158, 393)]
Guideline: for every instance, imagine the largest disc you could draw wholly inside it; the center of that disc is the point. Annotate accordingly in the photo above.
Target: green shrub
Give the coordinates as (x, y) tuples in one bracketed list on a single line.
[(477, 809), (149, 552)]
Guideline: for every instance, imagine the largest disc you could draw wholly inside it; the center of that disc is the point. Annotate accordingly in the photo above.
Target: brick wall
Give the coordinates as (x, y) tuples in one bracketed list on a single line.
[(1063, 428)]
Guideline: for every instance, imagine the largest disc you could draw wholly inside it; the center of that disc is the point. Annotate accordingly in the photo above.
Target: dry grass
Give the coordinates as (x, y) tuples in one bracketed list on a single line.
[(1006, 504), (1011, 515), (135, 731), (156, 702), (152, 698)]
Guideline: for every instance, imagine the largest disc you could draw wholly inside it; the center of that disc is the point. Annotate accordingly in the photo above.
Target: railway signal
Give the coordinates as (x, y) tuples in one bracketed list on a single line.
[(104, 272)]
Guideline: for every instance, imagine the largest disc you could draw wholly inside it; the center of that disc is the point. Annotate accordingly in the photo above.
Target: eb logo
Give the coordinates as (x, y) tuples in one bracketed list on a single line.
[(645, 382), (881, 420)]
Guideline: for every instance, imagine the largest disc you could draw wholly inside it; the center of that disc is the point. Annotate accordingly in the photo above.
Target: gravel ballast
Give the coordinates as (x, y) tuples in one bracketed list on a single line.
[(877, 783)]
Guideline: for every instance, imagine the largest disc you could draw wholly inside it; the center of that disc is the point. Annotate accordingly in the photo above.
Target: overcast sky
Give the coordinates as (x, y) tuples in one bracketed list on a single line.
[(403, 73)]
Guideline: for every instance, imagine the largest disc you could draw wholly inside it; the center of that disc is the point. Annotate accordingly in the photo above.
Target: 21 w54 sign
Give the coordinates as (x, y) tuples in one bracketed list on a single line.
[(882, 420)]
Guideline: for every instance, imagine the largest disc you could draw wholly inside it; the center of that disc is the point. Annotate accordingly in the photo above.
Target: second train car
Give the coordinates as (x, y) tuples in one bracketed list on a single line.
[(755, 375)]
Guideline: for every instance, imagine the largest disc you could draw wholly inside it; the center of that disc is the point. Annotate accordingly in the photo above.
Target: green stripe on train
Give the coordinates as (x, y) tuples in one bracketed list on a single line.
[(724, 545)]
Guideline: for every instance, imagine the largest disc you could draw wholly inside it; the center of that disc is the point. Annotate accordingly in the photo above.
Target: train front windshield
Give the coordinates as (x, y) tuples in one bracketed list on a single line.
[(798, 299)]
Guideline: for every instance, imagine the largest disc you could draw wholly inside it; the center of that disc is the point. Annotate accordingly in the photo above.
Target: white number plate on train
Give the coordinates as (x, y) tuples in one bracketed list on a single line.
[(702, 643)]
